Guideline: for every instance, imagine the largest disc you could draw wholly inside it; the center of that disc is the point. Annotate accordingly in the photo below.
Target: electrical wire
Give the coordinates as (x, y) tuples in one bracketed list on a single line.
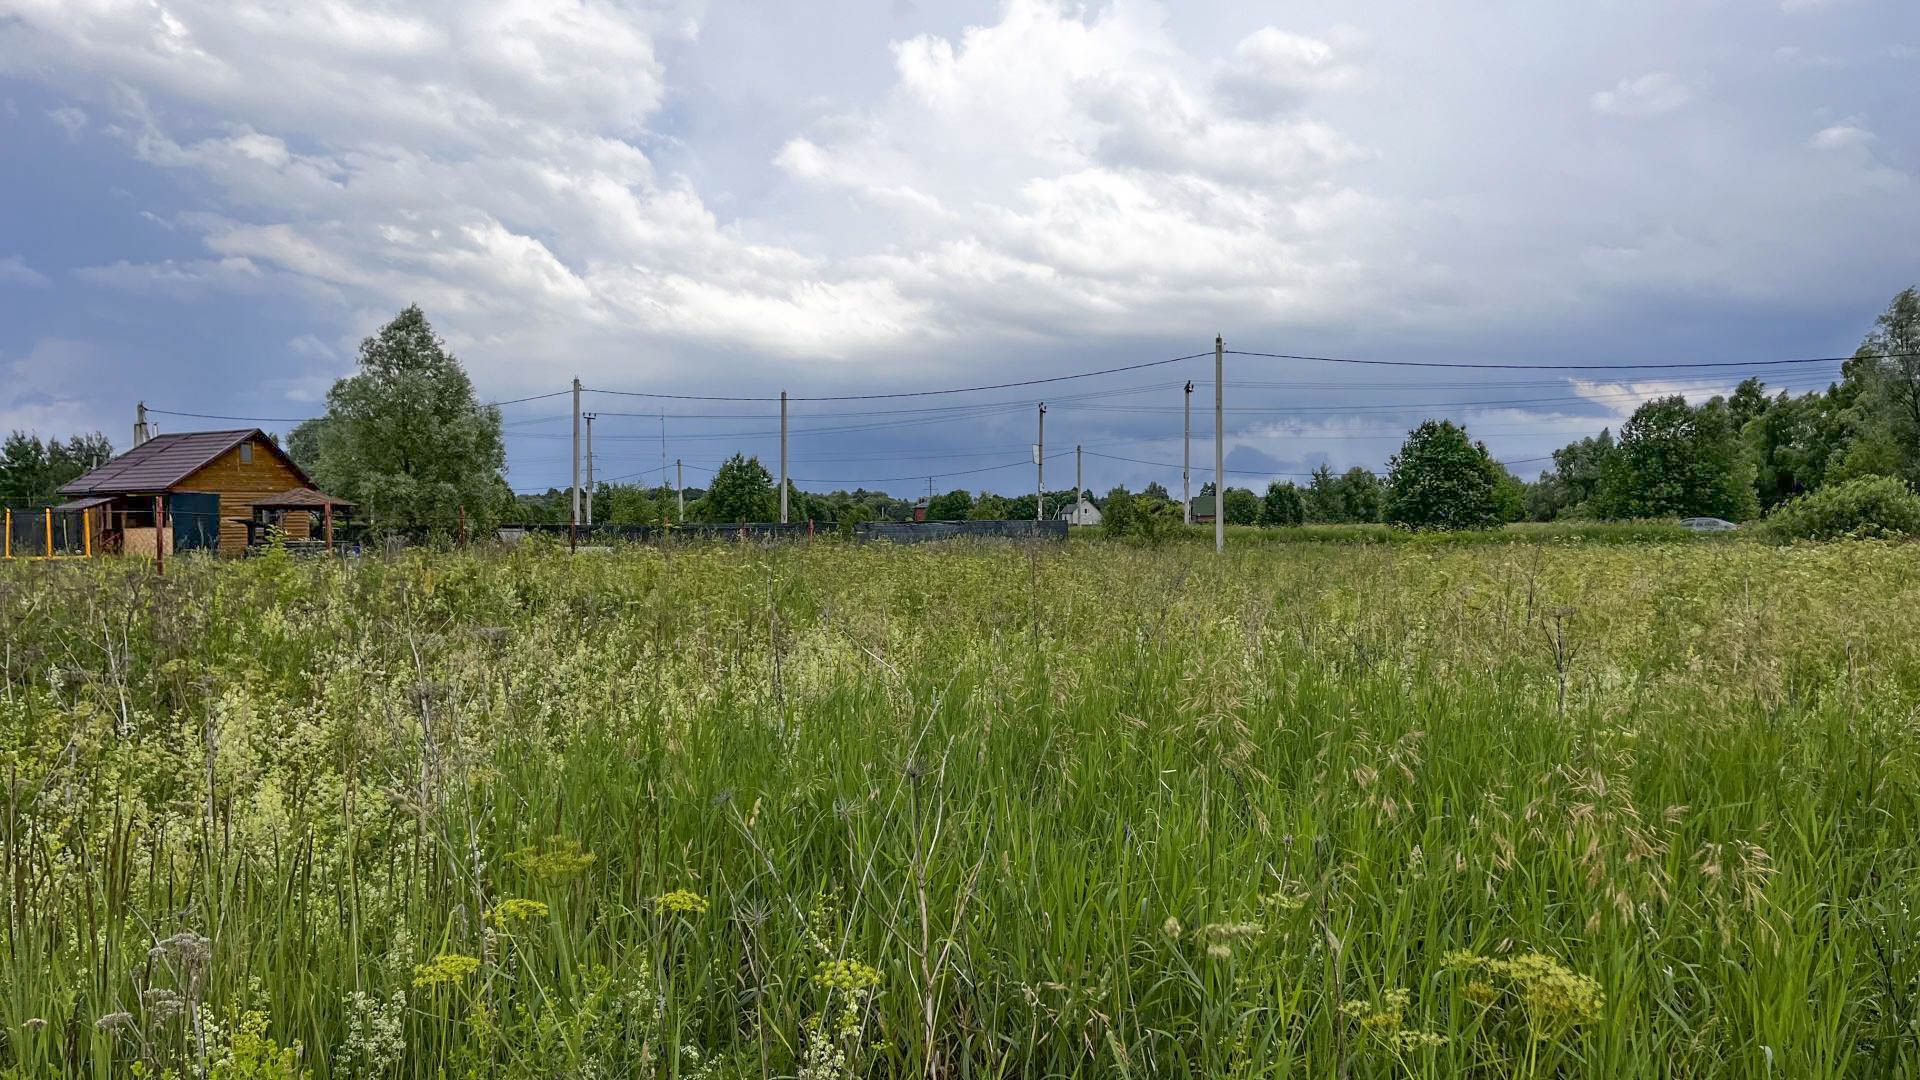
[(1575, 367)]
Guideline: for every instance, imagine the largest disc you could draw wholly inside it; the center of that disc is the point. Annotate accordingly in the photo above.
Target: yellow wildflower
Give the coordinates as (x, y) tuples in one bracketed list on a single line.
[(848, 975), (516, 910), (445, 968), (681, 901)]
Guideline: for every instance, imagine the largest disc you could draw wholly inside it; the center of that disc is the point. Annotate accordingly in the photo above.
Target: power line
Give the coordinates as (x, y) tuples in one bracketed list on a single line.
[(911, 393), (307, 419), (1576, 367)]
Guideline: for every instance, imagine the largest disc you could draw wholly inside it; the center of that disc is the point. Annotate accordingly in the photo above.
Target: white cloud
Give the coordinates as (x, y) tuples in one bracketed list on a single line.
[(567, 186), (71, 120), (1647, 95), (1848, 134), (1622, 398), (15, 271)]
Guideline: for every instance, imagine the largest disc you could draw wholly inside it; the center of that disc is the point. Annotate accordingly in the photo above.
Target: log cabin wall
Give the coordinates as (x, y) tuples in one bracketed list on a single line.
[(239, 483)]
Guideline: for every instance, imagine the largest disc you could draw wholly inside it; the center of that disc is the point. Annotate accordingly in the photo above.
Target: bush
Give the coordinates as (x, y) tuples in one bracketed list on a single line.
[(1871, 506)]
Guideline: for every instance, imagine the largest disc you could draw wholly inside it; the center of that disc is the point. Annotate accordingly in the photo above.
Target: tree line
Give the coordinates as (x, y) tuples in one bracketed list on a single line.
[(406, 439)]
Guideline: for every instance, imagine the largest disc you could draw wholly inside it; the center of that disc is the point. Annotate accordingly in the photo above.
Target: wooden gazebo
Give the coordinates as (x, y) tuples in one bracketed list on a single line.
[(300, 500)]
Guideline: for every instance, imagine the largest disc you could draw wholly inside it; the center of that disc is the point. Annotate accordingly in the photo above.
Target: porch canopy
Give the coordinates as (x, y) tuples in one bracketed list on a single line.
[(302, 498)]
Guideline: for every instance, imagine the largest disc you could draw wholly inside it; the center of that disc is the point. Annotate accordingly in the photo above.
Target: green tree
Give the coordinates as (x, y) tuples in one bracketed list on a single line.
[(406, 439), (627, 504), (1283, 505), (953, 506), (1509, 495), (742, 490), (1324, 504), (1887, 367), (1243, 506), (1119, 516), (1359, 496), (1441, 479), (993, 508), (303, 444), (1674, 460), (34, 471), (1577, 469)]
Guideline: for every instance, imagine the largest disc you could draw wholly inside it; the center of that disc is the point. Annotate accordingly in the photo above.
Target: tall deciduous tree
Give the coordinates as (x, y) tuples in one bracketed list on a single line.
[(1441, 479), (742, 490), (1678, 461), (953, 506), (406, 439), (1283, 504)]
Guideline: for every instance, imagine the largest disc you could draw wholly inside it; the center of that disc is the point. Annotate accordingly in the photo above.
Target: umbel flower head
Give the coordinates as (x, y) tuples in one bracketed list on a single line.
[(681, 901), (509, 912), (445, 968), (848, 975)]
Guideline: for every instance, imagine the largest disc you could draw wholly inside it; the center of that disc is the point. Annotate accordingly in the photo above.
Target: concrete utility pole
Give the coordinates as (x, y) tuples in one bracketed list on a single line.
[(680, 488), (1040, 469), (141, 433), (783, 457), (1186, 459), (589, 418), (573, 522), (1079, 486), (1219, 446)]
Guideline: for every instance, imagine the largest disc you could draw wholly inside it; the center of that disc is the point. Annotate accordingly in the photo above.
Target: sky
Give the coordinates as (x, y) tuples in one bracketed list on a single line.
[(207, 204)]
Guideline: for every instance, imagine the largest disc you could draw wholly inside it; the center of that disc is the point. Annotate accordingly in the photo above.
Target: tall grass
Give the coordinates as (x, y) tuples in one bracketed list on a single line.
[(1371, 811)]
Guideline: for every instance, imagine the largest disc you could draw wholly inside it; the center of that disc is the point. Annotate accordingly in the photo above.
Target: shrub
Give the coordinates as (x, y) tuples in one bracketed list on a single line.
[(1871, 506)]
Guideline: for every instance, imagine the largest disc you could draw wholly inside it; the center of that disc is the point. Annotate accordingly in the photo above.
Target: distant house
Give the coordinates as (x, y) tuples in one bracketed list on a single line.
[(1201, 508), (1082, 512), (212, 488)]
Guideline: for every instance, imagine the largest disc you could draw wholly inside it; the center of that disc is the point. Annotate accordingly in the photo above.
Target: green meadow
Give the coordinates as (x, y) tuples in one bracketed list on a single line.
[(1555, 808)]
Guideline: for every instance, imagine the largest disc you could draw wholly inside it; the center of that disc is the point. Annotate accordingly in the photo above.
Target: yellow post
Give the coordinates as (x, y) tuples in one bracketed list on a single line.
[(86, 533), (49, 532)]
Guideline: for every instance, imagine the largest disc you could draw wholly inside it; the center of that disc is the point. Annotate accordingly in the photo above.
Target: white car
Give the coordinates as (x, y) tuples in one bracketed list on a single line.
[(1707, 524)]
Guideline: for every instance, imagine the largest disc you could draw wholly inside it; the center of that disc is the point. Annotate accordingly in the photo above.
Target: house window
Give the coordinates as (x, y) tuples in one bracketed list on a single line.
[(246, 453)]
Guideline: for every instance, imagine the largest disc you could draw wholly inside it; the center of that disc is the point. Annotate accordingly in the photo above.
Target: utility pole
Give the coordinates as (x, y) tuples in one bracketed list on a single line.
[(783, 457), (1040, 469), (1219, 446), (573, 521), (589, 418), (1079, 486), (1186, 460), (141, 433), (680, 488)]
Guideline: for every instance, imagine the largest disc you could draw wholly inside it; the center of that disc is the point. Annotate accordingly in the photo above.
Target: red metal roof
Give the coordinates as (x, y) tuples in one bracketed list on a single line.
[(165, 460)]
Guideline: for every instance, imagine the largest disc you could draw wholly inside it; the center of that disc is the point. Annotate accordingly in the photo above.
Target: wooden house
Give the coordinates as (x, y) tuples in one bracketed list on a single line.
[(205, 487)]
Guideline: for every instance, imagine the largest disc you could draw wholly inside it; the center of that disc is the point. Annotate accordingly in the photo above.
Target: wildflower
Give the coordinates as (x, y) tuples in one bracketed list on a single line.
[(114, 1021), (1171, 927), (1462, 960), (681, 901), (1219, 951), (516, 910), (445, 968), (848, 975), (1285, 902), (1418, 1040), (161, 1005), (561, 860), (376, 1034), (34, 1023), (1480, 992), (1229, 932)]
